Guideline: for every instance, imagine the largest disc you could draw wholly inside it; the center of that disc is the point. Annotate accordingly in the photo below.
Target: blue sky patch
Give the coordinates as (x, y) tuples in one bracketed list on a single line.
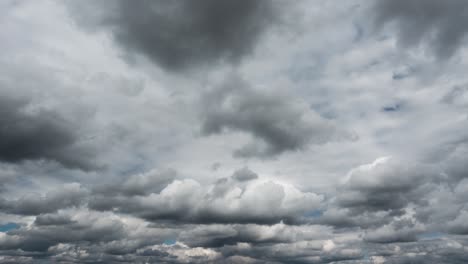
[(7, 227), (169, 242)]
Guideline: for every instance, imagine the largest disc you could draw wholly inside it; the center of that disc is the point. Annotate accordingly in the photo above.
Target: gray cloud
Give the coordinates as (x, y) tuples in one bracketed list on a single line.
[(244, 174), (52, 219), (71, 99), (459, 225), (384, 185), (139, 184), (181, 35), (41, 238), (405, 230), (70, 195), (278, 123), (225, 201), (437, 25), (39, 134)]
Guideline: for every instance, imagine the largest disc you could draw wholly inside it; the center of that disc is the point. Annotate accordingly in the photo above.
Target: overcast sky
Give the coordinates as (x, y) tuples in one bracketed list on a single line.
[(225, 131)]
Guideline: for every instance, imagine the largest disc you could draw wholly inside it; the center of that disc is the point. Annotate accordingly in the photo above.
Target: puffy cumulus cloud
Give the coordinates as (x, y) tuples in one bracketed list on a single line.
[(84, 235), (436, 25), (277, 122), (227, 200), (385, 185), (394, 201), (89, 228), (183, 35)]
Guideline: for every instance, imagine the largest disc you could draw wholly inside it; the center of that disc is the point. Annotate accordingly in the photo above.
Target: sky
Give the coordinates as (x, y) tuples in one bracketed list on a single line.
[(222, 131)]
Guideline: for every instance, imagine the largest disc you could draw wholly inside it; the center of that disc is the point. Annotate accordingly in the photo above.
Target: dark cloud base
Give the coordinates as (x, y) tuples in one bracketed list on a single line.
[(39, 135), (183, 35)]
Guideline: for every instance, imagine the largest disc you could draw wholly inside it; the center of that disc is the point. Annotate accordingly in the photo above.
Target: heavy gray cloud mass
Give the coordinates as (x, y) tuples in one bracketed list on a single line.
[(185, 34), (278, 123), (437, 25), (39, 134), (310, 141)]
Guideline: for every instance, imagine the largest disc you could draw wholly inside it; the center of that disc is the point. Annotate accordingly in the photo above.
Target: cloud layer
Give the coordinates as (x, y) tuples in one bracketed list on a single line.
[(218, 131), (183, 35)]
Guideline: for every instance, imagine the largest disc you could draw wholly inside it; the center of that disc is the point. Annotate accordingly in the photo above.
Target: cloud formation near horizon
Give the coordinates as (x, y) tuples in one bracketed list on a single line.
[(219, 131)]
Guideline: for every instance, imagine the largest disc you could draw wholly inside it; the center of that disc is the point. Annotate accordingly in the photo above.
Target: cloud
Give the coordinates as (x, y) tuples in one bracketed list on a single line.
[(277, 122), (253, 112), (182, 35), (403, 230), (181, 253), (90, 228), (225, 201), (384, 185), (244, 174), (139, 184), (52, 219), (314, 251), (436, 25), (27, 133), (70, 195), (459, 225)]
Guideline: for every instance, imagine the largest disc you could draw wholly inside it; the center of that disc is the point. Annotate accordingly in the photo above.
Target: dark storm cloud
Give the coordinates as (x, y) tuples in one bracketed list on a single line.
[(438, 25), (39, 134), (277, 122), (182, 34)]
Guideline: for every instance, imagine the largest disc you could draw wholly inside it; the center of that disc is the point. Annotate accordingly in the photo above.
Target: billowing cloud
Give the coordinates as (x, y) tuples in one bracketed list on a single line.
[(384, 185), (277, 123), (218, 131), (71, 195), (27, 133), (228, 200), (182, 35)]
